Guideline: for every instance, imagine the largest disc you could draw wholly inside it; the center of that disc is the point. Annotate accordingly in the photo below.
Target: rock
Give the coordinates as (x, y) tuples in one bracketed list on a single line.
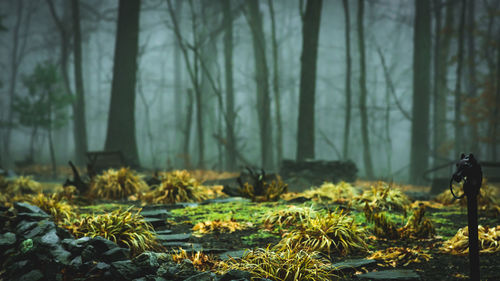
[(126, 270), (174, 237), (156, 222), (234, 254), (102, 244), (225, 200), (50, 238), (88, 253), (175, 271), (102, 266), (147, 261), (60, 255), (75, 245), (300, 199), (350, 264), (33, 275), (116, 254), (204, 276), (163, 232), (235, 274), (396, 274), (38, 229), (19, 266), (188, 247), (76, 262), (150, 278), (155, 213), (22, 207), (7, 239)]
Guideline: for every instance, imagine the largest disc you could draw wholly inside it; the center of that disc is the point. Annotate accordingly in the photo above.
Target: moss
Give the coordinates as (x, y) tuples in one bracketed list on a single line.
[(253, 239)]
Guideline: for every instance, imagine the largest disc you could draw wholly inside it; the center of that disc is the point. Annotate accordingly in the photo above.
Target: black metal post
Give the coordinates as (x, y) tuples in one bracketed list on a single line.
[(473, 237)]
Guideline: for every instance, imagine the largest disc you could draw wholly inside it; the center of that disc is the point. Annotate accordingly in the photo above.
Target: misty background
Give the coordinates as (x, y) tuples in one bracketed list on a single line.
[(457, 42)]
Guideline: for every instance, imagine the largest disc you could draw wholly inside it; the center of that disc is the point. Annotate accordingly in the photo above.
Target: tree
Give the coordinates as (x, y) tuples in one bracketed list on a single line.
[(276, 86), (419, 154), (347, 121), (228, 62), (121, 120), (262, 83), (458, 84), (80, 125), (473, 145), (362, 97), (310, 38), (44, 106)]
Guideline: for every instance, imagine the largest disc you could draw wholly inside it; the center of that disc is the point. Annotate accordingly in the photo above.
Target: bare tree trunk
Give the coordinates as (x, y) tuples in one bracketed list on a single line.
[(347, 121), (310, 37), (121, 120), (80, 125), (179, 92), (419, 154), (458, 84), (261, 79), (496, 114), (473, 145), (441, 48), (276, 86), (228, 62), (187, 130), (362, 97)]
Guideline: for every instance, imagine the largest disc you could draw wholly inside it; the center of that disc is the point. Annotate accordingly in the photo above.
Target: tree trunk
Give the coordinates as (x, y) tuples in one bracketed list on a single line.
[(310, 38), (473, 145), (441, 48), (80, 125), (496, 114), (121, 120), (187, 130), (362, 97), (262, 83), (178, 91), (347, 121), (228, 63), (276, 87), (419, 156), (458, 84)]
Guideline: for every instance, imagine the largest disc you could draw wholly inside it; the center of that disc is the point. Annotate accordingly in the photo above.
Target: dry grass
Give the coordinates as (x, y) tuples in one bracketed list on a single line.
[(125, 228), (287, 217), (218, 226), (200, 260), (59, 209), (400, 256), (272, 191), (286, 265), (117, 184), (384, 196), (489, 241), (23, 185), (487, 199), (176, 186), (332, 233), (340, 192)]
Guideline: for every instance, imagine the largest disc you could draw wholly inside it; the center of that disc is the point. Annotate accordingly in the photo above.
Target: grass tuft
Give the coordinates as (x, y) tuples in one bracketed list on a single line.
[(117, 184)]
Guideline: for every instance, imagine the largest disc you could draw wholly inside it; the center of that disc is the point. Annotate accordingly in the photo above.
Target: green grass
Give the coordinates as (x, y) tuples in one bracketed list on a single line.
[(252, 239)]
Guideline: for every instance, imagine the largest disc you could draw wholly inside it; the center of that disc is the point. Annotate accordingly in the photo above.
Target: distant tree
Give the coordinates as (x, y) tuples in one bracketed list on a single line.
[(473, 121), (362, 97), (262, 83), (347, 119), (458, 84), (121, 120), (43, 107), (419, 155), (310, 38)]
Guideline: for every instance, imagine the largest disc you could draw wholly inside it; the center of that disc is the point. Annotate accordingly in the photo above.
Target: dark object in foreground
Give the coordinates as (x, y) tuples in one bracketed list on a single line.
[(469, 170), (77, 180)]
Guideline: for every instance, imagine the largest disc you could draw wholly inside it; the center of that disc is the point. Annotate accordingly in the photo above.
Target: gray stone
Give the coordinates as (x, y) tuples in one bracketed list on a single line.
[(50, 238), (155, 213), (235, 274), (184, 245), (234, 254), (33, 275), (22, 207), (351, 264), (225, 200), (204, 276), (102, 244), (19, 266), (163, 232), (59, 254), (33, 216), (147, 260), (24, 227), (174, 237), (102, 266), (116, 254), (76, 262), (125, 270), (43, 227), (88, 253), (396, 274), (150, 278), (7, 239)]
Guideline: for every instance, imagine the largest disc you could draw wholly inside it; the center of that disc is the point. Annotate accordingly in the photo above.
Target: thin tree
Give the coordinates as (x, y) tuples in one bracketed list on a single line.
[(262, 83), (458, 83), (276, 85), (347, 121), (228, 63), (310, 38), (419, 154), (80, 125), (121, 120), (363, 92), (473, 145)]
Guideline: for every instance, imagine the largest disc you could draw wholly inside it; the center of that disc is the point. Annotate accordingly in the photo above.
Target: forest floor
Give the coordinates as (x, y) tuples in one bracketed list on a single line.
[(176, 232)]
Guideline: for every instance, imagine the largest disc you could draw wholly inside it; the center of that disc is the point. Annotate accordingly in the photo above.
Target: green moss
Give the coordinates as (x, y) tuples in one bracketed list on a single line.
[(253, 239)]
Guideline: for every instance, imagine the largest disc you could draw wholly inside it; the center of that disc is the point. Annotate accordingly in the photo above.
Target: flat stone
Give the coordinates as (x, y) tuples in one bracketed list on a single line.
[(156, 222), (204, 276), (351, 264), (24, 227), (50, 238), (225, 200), (33, 275), (7, 239), (155, 213), (59, 254), (234, 254), (102, 244), (184, 245), (116, 254), (126, 270), (33, 216), (41, 228), (22, 207), (186, 204), (396, 274), (163, 232), (235, 274), (174, 237), (147, 260)]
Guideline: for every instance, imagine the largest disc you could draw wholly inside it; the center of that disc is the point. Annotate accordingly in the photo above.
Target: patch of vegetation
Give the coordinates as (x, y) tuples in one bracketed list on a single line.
[(260, 234), (287, 217), (176, 186), (332, 233), (400, 256), (340, 192), (264, 191), (125, 228), (218, 226), (286, 265), (117, 184), (486, 200), (23, 185), (384, 196), (489, 241), (200, 260), (52, 204)]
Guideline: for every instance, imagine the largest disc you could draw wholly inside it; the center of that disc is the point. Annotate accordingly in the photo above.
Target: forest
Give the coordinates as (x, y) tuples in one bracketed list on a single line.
[(202, 139)]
